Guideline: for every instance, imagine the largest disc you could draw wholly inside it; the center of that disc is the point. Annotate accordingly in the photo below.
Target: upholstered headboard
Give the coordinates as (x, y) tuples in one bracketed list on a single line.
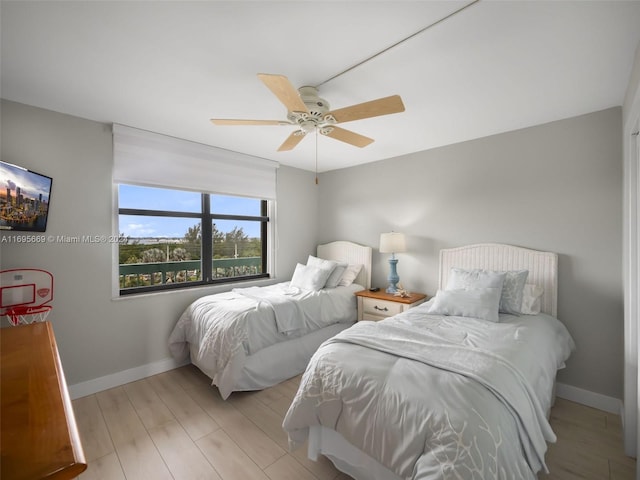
[(542, 266), (349, 252)]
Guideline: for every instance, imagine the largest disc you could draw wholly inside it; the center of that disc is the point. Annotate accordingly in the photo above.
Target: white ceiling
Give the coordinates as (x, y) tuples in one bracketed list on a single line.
[(169, 67)]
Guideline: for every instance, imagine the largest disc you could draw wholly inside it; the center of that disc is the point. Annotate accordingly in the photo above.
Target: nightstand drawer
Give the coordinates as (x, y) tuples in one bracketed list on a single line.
[(373, 318), (380, 308)]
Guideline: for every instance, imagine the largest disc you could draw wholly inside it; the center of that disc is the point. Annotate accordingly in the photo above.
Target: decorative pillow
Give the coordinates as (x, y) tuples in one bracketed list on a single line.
[(512, 285), (350, 274), (531, 299), (308, 277), (460, 278), (336, 275), (512, 288), (322, 264), (474, 302)]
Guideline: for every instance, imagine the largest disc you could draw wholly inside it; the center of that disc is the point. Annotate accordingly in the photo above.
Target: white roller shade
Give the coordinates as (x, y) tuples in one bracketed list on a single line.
[(146, 158)]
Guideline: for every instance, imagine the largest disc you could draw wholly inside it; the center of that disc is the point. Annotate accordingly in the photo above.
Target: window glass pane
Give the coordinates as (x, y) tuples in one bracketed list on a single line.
[(237, 248), (159, 250), (235, 205), (151, 227), (150, 198)]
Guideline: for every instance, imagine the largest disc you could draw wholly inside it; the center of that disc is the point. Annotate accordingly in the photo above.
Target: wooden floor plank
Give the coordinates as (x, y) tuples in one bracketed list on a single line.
[(94, 434), (150, 408), (210, 401), (228, 458), (104, 468), (140, 459), (182, 456), (287, 468), (176, 425), (121, 418), (188, 376), (255, 443), (264, 417), (186, 410)]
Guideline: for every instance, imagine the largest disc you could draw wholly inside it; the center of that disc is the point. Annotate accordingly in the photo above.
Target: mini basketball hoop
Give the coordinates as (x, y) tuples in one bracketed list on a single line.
[(25, 294), (26, 315)]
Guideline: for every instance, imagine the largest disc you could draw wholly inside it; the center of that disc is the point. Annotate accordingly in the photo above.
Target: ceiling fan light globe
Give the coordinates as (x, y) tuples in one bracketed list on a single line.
[(308, 126)]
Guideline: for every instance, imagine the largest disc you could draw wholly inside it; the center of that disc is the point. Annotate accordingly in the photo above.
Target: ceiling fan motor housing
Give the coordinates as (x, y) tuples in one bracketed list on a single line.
[(317, 108)]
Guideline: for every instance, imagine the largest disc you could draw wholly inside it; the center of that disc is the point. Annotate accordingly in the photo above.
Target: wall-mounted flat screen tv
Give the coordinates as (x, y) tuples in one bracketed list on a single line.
[(24, 199)]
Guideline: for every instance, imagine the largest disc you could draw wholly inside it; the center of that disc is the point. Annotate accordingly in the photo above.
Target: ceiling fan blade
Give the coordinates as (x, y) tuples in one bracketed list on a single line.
[(231, 121), (348, 136), (286, 93), (292, 140), (374, 108)]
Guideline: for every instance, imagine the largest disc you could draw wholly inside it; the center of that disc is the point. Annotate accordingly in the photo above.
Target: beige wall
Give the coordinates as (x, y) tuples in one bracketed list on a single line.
[(96, 335), (555, 187)]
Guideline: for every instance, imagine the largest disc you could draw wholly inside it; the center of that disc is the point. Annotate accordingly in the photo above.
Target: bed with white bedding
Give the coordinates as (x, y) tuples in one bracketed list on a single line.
[(253, 338), (449, 389)]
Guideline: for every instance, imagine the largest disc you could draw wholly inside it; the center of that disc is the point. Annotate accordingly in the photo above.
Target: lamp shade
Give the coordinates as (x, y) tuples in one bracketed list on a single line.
[(392, 242)]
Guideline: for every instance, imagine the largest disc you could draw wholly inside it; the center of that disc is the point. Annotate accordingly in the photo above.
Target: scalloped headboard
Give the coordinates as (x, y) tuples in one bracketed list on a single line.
[(542, 266), (349, 252)]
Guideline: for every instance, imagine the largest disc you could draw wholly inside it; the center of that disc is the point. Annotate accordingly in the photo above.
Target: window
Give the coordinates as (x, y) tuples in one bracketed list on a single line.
[(187, 213), (176, 238)]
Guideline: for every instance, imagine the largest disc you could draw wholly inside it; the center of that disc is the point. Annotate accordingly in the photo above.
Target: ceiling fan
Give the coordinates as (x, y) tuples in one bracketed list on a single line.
[(309, 112)]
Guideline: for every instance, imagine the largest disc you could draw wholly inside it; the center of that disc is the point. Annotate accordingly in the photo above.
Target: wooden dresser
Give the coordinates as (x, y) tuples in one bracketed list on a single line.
[(39, 438)]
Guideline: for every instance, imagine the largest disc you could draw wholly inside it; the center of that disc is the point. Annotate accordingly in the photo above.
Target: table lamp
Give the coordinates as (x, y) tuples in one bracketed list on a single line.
[(392, 242)]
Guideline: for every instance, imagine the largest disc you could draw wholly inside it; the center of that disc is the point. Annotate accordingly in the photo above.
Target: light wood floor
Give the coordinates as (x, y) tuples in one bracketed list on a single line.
[(173, 426)]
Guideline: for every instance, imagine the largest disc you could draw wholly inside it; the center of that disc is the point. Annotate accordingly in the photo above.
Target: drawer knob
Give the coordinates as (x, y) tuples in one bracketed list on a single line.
[(385, 309)]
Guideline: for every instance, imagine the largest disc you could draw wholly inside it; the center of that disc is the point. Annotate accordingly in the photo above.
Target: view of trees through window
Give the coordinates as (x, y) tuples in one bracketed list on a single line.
[(162, 247)]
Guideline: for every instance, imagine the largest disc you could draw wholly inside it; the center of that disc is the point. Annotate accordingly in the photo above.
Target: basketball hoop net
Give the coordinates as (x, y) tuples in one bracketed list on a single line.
[(21, 315)]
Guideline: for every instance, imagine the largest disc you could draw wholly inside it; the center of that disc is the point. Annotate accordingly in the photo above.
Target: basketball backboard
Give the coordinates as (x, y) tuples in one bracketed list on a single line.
[(25, 287)]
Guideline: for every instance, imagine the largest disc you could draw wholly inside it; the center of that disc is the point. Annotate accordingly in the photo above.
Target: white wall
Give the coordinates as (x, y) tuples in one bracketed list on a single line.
[(555, 187), (98, 336)]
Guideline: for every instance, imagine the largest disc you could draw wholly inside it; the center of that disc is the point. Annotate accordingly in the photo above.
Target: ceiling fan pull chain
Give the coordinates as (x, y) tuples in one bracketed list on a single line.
[(316, 156)]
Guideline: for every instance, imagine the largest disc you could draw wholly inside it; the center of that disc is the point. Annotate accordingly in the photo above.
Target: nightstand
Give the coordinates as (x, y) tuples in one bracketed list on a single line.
[(379, 305)]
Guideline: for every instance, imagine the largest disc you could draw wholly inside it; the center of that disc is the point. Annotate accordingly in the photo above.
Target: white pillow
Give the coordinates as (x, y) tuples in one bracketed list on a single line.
[(323, 264), (336, 275), (350, 274), (308, 277), (474, 302), (512, 288), (460, 278), (531, 299), (512, 284)]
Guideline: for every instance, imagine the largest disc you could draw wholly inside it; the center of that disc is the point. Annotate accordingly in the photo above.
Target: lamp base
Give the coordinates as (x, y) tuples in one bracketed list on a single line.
[(393, 278)]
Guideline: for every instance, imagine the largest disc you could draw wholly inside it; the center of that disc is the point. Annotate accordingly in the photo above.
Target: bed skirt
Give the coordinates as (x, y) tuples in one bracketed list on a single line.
[(284, 360), (346, 458)]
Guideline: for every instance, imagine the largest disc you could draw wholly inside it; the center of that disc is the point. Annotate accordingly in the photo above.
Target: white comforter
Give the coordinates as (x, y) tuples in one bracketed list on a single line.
[(433, 397), (219, 331)]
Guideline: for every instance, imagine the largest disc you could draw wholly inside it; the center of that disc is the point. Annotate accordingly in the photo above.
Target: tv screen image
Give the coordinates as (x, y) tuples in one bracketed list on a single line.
[(24, 199)]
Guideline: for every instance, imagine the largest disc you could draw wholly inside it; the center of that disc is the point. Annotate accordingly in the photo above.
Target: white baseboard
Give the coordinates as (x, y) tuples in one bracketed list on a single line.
[(90, 387), (82, 389), (590, 399)]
